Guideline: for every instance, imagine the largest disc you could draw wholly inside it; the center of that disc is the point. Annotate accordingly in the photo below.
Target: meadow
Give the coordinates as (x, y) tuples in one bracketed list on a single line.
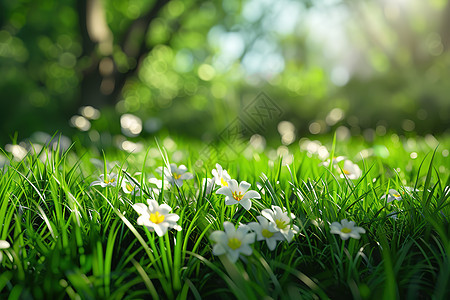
[(330, 220)]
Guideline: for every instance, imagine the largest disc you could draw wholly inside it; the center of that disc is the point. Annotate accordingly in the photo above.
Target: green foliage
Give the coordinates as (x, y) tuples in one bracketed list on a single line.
[(69, 239)]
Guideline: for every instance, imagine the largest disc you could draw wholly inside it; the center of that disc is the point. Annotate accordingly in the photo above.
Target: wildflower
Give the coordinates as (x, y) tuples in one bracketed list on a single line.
[(350, 170), (232, 241), (176, 175), (392, 195), (130, 187), (281, 221), (335, 160), (346, 229), (3, 245), (221, 176), (267, 231), (110, 180), (156, 217), (238, 193)]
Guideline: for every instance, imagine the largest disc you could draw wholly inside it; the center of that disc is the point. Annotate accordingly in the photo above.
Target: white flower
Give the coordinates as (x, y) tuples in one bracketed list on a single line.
[(110, 180), (238, 193), (221, 176), (129, 187), (392, 195), (3, 245), (267, 231), (156, 217), (351, 170), (335, 160), (232, 241), (346, 229), (176, 175), (281, 221)]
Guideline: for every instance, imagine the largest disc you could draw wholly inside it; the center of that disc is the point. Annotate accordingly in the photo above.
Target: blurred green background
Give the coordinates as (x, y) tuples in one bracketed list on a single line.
[(133, 69)]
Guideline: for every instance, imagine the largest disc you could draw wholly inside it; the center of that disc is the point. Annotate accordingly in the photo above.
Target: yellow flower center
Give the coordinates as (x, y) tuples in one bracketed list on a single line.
[(281, 224), (266, 233), (345, 172), (176, 175), (129, 187), (223, 182), (346, 230), (237, 196), (234, 243), (109, 181), (156, 218), (396, 195)]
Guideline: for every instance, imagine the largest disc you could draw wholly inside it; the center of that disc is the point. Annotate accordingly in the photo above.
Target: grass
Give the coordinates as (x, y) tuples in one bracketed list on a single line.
[(71, 240)]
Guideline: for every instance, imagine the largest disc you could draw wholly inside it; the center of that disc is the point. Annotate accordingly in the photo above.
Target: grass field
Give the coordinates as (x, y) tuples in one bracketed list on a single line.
[(66, 236)]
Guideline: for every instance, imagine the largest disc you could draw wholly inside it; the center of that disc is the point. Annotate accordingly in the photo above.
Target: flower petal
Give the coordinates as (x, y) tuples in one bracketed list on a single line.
[(4, 244), (246, 203), (268, 214), (225, 191), (244, 186), (233, 255), (233, 185), (249, 238), (230, 201), (252, 195), (219, 249), (140, 208), (229, 228), (219, 237), (271, 244), (164, 209), (246, 249)]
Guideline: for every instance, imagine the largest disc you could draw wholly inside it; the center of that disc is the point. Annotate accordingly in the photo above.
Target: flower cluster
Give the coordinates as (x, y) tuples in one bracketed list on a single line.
[(273, 225)]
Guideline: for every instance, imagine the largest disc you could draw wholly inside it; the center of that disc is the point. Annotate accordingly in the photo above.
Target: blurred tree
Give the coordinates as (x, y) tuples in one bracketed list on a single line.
[(194, 65)]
